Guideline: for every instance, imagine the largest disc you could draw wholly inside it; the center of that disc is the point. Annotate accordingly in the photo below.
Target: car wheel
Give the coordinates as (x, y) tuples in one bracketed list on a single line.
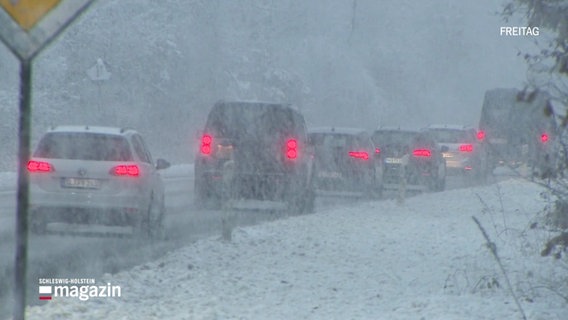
[(151, 225), (157, 215)]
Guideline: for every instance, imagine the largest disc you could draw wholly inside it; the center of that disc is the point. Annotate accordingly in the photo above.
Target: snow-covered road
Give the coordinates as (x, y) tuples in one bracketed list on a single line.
[(425, 259)]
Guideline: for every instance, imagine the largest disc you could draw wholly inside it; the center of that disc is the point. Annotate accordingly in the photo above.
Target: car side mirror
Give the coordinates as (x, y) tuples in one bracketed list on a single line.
[(444, 149), (162, 164)]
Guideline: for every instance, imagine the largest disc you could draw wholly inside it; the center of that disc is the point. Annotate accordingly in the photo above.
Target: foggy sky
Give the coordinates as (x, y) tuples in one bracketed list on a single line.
[(390, 62)]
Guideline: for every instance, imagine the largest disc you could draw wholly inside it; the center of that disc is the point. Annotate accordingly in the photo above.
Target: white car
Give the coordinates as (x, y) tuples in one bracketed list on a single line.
[(96, 175), (466, 153)]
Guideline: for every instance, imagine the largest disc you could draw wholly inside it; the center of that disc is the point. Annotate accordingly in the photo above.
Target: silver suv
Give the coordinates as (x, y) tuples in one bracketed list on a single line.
[(466, 153), (96, 175), (346, 162)]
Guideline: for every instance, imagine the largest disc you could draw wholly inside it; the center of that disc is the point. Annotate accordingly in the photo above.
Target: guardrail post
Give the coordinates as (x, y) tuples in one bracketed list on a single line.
[(402, 181), (227, 220)]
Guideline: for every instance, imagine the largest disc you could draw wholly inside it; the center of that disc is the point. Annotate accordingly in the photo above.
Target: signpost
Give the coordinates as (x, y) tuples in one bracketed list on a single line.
[(26, 27), (98, 73)]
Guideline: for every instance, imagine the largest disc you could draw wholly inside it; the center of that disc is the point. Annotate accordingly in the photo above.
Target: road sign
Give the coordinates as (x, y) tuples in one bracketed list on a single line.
[(27, 12), (26, 26), (98, 72)]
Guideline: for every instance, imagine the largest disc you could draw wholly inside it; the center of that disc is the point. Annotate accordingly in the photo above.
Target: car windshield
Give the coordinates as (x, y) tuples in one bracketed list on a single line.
[(385, 138), (495, 121), (334, 141), (83, 146)]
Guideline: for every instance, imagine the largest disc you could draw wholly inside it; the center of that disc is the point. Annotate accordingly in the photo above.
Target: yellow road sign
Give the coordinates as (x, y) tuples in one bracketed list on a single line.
[(28, 12), (26, 26)]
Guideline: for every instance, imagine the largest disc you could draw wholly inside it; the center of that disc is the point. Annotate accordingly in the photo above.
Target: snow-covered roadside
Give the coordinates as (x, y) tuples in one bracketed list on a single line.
[(425, 259), (182, 170), (8, 180)]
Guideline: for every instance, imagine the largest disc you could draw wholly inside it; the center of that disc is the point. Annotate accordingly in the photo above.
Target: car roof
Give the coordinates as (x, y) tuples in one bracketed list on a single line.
[(91, 129), (337, 130), (256, 102), (396, 129), (449, 127)]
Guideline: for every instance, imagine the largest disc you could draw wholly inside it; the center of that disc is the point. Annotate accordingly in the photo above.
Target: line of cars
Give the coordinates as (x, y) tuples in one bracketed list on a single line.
[(264, 151), (248, 150)]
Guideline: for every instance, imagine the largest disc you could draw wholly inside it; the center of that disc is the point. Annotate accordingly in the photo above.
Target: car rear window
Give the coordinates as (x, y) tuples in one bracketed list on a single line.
[(331, 141), (495, 121), (393, 138), (238, 121), (451, 136), (83, 146)]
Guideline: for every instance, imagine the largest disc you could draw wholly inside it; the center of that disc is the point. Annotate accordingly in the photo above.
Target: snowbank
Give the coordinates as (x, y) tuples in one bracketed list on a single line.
[(8, 180), (425, 259)]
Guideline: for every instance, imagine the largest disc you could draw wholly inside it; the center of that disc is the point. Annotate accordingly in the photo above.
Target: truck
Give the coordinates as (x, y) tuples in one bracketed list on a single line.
[(518, 129)]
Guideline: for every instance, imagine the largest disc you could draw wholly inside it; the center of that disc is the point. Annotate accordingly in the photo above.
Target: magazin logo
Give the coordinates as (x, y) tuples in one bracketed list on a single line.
[(82, 292)]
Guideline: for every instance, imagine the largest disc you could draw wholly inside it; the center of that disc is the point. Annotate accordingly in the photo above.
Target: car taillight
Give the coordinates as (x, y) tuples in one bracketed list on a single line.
[(480, 135), (126, 170), (39, 166), (359, 155), (544, 138), (291, 149), (421, 153), (466, 148), (206, 142), (377, 150)]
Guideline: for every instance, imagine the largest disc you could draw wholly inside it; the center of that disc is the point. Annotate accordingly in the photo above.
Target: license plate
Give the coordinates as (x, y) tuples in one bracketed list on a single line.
[(393, 160), (329, 174), (81, 183)]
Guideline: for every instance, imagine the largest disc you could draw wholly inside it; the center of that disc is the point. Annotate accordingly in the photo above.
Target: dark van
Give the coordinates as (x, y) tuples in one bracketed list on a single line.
[(255, 150)]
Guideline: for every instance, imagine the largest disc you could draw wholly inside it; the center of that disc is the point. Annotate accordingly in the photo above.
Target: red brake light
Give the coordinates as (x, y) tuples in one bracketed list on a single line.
[(291, 149), (39, 166), (544, 138), (377, 150), (421, 153), (480, 135), (126, 170), (206, 142), (359, 155), (466, 148)]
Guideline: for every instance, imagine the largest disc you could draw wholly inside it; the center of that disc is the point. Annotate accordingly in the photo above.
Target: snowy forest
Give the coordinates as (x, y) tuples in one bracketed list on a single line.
[(348, 63)]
